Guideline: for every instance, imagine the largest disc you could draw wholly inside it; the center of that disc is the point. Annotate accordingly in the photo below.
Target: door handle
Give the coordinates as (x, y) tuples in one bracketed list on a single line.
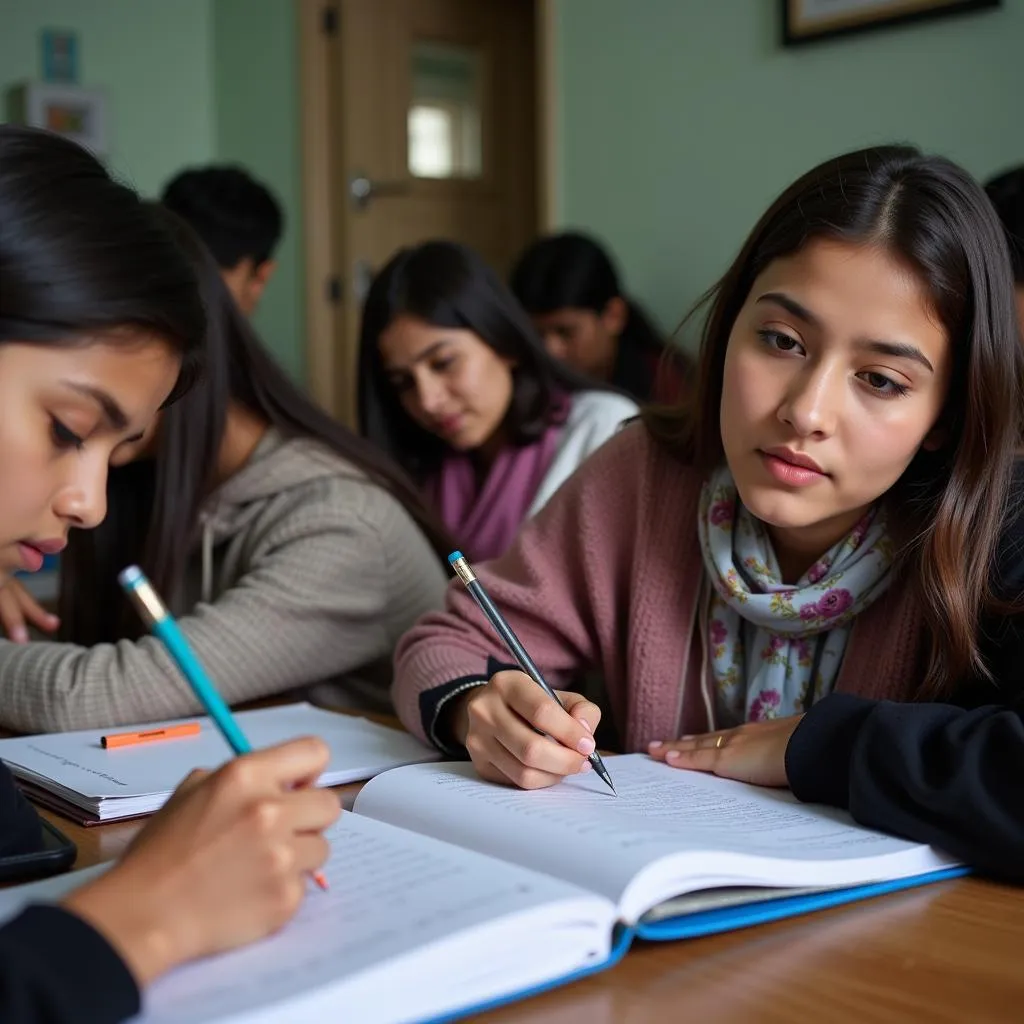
[(362, 189)]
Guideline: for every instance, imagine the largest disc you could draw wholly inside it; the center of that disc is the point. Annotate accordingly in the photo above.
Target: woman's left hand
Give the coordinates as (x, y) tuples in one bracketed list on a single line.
[(755, 752)]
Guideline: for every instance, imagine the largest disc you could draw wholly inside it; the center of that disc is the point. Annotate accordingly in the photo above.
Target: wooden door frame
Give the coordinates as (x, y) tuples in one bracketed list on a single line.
[(322, 185)]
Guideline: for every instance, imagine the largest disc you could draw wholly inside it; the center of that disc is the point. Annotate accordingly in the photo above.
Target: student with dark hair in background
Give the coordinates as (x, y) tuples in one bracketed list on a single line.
[(455, 385), (1006, 191), (239, 221), (569, 286)]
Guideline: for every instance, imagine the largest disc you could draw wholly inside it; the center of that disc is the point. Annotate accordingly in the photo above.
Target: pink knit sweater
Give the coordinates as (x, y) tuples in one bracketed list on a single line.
[(609, 576)]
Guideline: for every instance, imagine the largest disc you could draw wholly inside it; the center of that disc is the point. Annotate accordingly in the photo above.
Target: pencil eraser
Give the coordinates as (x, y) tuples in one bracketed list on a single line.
[(454, 557), (130, 576)]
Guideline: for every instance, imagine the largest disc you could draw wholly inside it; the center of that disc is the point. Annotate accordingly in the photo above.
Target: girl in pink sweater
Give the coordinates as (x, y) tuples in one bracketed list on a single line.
[(808, 578)]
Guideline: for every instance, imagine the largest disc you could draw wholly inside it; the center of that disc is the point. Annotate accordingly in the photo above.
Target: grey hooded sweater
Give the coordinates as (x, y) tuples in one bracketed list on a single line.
[(306, 576)]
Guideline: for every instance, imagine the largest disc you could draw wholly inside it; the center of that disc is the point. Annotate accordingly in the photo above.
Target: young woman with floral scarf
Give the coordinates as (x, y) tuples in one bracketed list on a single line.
[(811, 577)]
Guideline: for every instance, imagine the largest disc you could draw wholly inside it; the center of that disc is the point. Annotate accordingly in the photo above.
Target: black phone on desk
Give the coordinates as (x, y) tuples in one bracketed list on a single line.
[(56, 854)]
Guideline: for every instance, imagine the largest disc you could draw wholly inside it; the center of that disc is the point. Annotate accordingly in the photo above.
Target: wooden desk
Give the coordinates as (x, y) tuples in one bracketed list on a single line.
[(948, 952)]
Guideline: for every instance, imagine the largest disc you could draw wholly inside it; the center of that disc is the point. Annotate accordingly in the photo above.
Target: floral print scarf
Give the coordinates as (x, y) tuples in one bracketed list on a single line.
[(776, 648)]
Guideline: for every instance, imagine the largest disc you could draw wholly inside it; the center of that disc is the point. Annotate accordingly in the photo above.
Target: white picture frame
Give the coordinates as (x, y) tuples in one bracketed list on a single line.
[(76, 112)]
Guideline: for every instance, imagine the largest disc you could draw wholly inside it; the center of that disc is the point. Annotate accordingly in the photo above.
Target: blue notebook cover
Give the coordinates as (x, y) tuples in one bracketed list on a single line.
[(710, 922)]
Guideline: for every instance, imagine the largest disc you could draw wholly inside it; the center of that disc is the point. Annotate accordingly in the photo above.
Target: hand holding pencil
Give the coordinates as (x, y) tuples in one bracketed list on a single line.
[(157, 617), (224, 862), (516, 728)]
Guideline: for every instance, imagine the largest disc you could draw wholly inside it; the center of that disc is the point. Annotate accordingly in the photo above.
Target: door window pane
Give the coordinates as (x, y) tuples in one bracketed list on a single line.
[(444, 115)]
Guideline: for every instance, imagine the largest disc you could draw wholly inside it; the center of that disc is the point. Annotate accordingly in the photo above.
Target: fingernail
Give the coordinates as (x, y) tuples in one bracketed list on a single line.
[(654, 744), (673, 755), (19, 635), (586, 767), (585, 724), (585, 746)]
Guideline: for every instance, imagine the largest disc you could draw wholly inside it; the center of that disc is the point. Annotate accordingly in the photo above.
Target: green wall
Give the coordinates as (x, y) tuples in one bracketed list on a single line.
[(187, 82), (255, 69), (681, 120), (151, 56)]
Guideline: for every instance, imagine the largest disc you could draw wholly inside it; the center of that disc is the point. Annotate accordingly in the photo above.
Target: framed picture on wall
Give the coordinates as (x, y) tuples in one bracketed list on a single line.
[(807, 21), (80, 114)]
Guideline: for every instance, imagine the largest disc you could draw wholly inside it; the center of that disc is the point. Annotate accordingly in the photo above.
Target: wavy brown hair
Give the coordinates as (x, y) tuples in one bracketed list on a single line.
[(947, 511)]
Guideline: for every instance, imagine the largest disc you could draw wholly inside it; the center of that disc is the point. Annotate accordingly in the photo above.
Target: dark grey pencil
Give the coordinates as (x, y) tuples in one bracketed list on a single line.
[(460, 564)]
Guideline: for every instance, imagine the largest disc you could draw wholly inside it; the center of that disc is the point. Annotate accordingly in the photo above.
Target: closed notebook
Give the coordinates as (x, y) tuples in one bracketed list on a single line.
[(72, 773), (450, 895)]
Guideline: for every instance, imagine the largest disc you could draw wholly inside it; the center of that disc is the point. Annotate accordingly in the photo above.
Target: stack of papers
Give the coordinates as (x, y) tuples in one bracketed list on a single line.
[(72, 773)]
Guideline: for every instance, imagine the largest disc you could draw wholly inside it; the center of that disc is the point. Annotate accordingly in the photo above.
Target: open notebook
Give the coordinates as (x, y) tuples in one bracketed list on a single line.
[(74, 775), (449, 895)]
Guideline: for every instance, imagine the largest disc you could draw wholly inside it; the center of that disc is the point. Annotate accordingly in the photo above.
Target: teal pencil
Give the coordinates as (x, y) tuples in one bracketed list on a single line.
[(163, 626)]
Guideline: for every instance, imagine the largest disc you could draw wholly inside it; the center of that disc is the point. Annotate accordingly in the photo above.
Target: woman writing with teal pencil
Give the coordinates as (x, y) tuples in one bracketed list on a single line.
[(100, 325), (813, 579)]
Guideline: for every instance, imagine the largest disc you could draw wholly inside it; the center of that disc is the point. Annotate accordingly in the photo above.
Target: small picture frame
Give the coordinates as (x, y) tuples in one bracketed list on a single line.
[(807, 21), (60, 55), (78, 113)]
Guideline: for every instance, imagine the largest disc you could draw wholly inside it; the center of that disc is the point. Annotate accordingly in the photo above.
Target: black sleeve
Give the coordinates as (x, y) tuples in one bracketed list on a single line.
[(56, 969), (944, 774), (934, 773)]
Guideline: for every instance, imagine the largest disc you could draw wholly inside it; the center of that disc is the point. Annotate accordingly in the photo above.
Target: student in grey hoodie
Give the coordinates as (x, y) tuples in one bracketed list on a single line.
[(294, 554)]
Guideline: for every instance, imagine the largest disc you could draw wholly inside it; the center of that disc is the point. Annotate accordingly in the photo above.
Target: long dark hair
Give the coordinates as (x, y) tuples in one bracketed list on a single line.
[(81, 255), (447, 284), (571, 270), (154, 504), (948, 509)]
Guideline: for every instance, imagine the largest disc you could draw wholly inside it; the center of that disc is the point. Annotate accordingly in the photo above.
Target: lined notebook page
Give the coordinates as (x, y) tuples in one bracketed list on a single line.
[(578, 831), (403, 916)]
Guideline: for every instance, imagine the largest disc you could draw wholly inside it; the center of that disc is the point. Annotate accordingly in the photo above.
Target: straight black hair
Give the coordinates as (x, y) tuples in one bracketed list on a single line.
[(446, 284), (154, 504), (81, 256), (571, 270), (235, 215)]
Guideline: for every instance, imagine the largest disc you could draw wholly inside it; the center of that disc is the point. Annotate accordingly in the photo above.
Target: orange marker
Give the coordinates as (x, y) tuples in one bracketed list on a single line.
[(130, 739)]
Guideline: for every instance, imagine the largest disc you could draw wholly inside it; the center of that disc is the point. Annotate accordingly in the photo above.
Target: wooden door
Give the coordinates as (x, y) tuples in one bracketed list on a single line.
[(430, 119)]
